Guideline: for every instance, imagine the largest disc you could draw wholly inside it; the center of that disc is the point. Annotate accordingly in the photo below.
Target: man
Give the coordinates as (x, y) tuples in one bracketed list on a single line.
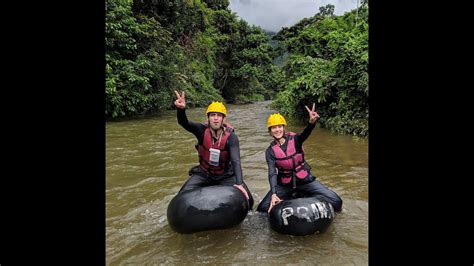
[(218, 149)]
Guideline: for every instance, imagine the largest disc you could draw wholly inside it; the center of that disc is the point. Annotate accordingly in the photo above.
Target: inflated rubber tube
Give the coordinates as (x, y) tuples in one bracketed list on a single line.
[(301, 216), (207, 208)]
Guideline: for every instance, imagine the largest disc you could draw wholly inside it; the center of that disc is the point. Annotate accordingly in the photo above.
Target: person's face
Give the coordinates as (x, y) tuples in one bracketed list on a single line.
[(216, 120), (277, 131)]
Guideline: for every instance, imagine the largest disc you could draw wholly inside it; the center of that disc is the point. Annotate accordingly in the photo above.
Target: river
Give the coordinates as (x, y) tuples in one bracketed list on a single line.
[(147, 161)]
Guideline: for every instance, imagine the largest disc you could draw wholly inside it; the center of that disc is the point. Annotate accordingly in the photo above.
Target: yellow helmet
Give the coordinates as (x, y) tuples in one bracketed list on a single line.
[(216, 107), (275, 119)]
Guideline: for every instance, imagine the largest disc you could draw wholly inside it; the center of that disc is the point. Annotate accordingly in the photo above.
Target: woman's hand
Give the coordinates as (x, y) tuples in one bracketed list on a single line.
[(274, 201), (313, 116)]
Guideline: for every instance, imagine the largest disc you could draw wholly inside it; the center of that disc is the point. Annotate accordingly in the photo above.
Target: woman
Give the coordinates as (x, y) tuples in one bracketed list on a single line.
[(293, 178)]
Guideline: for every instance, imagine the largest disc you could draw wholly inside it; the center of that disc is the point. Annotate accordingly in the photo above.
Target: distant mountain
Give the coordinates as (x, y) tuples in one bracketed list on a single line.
[(270, 34), (279, 60)]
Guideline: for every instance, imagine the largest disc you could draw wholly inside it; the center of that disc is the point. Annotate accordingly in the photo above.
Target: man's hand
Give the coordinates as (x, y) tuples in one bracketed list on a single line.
[(180, 101), (313, 116), (275, 200), (241, 188)]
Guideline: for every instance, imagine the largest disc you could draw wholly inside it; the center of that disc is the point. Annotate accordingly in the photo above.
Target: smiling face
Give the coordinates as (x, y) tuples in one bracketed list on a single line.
[(216, 120), (277, 131)]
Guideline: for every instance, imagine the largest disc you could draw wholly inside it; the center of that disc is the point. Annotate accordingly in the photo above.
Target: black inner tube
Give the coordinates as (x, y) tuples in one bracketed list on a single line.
[(301, 216), (207, 208)]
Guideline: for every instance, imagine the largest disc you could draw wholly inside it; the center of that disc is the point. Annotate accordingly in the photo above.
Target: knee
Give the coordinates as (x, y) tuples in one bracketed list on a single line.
[(263, 206), (250, 201), (337, 204), (260, 208), (335, 201)]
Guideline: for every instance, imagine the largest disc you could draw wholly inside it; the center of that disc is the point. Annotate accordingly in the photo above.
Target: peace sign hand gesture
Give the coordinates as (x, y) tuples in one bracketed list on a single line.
[(313, 116), (180, 102)]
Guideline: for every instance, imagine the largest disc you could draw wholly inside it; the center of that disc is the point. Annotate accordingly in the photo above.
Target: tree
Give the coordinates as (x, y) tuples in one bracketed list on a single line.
[(329, 65), (326, 11), (217, 4)]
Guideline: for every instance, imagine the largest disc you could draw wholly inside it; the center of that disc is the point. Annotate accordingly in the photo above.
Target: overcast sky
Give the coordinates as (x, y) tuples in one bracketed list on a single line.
[(275, 14)]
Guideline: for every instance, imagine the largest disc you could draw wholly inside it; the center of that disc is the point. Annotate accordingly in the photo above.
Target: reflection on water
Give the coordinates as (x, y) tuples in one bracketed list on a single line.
[(147, 161)]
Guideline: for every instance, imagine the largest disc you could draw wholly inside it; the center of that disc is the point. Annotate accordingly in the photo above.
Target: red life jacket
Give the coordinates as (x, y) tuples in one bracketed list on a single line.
[(291, 163), (204, 153)]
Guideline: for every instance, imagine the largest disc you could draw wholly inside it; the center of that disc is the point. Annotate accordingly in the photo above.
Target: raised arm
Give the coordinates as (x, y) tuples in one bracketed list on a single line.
[(190, 126), (313, 117)]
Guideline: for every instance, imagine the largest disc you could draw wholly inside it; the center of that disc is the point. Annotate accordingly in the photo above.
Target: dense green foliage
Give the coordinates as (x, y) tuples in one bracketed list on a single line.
[(201, 47), (156, 47), (328, 64)]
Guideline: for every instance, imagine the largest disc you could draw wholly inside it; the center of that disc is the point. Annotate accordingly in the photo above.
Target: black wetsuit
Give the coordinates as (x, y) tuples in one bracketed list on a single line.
[(309, 189), (232, 175)]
